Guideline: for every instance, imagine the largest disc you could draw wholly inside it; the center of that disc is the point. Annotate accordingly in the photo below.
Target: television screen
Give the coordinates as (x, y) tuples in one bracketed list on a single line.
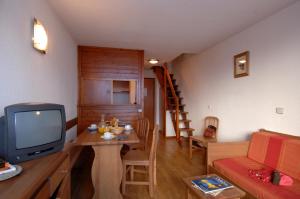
[(34, 128)]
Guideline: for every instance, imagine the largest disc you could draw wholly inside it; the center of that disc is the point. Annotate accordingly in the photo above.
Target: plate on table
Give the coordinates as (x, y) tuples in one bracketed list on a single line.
[(112, 137), (6, 176)]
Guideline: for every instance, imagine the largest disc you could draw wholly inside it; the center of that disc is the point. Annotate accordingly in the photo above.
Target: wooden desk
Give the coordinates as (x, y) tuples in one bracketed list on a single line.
[(39, 179), (107, 166), (192, 192)]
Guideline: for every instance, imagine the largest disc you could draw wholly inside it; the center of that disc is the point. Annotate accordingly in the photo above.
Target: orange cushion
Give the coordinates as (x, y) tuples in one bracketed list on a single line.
[(258, 146), (236, 170), (289, 161), (274, 150)]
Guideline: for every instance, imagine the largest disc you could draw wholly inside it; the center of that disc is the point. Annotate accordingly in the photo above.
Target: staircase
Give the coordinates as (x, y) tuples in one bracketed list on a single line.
[(173, 102)]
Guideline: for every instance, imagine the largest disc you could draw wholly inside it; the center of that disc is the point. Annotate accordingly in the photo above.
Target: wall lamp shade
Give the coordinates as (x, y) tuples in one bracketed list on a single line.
[(40, 38)]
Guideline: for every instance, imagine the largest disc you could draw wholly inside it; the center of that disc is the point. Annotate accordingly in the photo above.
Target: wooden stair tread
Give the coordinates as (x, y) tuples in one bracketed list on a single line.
[(169, 90), (171, 97), (175, 89), (181, 112), (170, 93), (183, 120), (175, 104), (174, 85), (186, 129)]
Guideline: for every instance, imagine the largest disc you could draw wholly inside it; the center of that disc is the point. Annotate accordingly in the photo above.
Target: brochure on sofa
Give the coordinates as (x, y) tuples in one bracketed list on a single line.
[(211, 184)]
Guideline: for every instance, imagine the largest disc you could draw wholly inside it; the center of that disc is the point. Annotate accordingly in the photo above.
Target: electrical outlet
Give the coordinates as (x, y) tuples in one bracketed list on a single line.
[(279, 110)]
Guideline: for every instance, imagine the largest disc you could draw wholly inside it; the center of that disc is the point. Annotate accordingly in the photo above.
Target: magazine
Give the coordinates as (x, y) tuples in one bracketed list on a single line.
[(211, 184)]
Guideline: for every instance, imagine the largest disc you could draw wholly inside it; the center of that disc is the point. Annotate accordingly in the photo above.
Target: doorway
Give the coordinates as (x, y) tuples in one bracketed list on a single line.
[(149, 100)]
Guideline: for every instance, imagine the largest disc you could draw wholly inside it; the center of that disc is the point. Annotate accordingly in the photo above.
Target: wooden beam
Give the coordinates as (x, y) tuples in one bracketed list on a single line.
[(71, 123)]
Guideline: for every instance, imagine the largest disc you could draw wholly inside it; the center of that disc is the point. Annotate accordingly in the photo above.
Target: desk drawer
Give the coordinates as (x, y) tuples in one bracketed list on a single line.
[(56, 178)]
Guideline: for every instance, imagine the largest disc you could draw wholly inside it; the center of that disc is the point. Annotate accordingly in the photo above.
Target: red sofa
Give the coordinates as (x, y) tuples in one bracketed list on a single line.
[(265, 150)]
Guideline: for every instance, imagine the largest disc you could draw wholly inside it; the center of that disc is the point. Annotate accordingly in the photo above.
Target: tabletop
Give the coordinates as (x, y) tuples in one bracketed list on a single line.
[(92, 139)]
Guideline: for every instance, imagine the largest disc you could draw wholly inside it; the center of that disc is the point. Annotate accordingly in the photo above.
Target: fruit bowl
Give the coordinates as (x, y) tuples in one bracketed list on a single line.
[(117, 130)]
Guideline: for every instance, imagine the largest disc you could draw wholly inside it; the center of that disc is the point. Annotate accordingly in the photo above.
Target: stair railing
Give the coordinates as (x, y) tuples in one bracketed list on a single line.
[(168, 79)]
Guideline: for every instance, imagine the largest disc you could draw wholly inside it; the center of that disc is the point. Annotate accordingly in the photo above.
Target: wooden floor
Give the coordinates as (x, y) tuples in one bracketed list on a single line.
[(172, 165)]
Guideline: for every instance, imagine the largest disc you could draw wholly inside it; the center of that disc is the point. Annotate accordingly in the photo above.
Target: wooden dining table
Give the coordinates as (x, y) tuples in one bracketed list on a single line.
[(107, 165)]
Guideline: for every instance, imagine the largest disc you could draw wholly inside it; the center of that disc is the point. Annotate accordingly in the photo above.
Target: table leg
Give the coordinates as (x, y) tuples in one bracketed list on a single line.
[(205, 153), (188, 193), (190, 148), (107, 172)]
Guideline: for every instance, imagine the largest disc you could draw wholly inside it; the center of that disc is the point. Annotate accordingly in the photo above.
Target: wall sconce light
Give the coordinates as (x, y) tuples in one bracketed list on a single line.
[(40, 38)]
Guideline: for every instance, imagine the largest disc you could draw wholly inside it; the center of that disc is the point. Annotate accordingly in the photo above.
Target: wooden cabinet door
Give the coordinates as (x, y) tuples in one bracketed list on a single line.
[(96, 92)]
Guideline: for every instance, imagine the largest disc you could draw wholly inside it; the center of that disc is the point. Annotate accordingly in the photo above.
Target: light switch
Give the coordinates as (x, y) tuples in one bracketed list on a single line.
[(279, 110)]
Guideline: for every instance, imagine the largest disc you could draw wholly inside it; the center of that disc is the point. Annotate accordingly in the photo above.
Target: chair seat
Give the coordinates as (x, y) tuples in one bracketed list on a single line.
[(136, 156)]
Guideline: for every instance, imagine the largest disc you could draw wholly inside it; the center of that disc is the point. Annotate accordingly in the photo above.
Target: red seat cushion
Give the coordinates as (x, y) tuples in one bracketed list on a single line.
[(236, 170)]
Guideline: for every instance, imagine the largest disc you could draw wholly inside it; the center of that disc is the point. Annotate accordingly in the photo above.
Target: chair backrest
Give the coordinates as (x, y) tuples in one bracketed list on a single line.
[(211, 120), (154, 144), (143, 131)]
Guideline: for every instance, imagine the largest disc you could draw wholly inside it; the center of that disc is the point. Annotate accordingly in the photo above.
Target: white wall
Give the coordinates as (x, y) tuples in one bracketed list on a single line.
[(25, 74), (246, 104)]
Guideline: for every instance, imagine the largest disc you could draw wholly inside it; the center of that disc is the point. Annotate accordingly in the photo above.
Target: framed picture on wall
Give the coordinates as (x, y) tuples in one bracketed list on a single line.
[(241, 64)]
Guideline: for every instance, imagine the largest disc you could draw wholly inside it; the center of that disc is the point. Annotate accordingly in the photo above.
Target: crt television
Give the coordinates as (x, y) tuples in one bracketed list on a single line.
[(29, 131)]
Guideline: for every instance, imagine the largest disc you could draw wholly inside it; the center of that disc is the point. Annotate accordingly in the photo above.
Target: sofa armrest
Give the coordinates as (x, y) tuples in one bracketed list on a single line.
[(221, 150)]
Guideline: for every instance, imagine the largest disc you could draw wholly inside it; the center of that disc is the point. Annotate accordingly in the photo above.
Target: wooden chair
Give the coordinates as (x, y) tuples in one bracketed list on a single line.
[(143, 133), (141, 158), (200, 139)]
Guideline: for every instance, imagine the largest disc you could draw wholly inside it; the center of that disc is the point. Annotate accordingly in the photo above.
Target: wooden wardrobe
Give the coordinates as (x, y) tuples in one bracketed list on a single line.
[(111, 83)]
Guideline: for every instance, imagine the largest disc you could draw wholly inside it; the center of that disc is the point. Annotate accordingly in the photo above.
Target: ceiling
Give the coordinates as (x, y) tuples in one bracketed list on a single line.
[(163, 28)]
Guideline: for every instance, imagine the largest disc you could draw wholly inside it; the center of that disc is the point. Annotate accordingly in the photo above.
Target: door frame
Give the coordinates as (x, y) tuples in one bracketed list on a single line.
[(154, 95)]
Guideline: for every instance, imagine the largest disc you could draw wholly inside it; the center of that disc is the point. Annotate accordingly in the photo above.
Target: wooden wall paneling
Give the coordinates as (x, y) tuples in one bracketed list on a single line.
[(95, 66), (95, 91)]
